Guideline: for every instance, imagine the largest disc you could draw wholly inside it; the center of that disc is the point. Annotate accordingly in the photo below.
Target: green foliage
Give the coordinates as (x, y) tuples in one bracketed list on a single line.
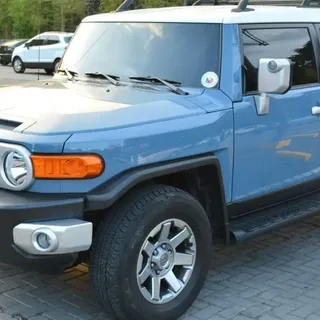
[(26, 18)]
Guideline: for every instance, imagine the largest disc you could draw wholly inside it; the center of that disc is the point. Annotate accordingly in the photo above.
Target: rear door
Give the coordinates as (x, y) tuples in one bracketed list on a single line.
[(51, 45)]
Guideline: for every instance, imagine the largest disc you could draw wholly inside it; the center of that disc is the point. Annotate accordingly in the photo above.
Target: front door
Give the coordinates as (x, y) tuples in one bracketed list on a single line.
[(282, 148), (33, 53)]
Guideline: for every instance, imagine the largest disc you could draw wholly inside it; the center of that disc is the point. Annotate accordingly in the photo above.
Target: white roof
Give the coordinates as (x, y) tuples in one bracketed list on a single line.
[(213, 14)]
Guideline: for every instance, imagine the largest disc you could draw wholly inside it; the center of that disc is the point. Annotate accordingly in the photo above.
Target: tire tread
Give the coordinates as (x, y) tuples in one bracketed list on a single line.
[(110, 236)]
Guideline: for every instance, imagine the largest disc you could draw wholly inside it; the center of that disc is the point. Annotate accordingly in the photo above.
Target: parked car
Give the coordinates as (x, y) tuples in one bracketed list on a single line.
[(43, 51), (6, 50), (163, 131)]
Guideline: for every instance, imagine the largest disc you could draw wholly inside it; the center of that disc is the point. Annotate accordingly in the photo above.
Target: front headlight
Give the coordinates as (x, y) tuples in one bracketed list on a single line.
[(15, 169)]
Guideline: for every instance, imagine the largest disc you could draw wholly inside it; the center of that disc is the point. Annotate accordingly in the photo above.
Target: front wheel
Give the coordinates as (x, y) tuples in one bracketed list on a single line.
[(151, 255), (18, 65)]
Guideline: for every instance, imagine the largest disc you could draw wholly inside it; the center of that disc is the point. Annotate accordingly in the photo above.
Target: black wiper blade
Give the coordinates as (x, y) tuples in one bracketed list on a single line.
[(68, 72), (113, 79), (154, 79), (168, 83)]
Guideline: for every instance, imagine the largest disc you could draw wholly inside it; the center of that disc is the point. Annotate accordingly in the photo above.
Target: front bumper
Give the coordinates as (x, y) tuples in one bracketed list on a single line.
[(23, 215), (5, 57)]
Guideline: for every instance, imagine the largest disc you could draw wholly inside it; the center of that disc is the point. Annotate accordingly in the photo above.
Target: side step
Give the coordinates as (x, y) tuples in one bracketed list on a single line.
[(272, 218)]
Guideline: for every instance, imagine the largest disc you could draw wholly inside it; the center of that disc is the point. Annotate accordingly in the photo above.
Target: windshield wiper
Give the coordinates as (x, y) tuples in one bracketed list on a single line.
[(168, 83), (113, 79), (68, 72)]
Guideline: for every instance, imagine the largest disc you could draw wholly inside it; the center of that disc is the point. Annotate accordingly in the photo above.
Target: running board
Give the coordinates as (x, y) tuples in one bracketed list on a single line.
[(270, 219)]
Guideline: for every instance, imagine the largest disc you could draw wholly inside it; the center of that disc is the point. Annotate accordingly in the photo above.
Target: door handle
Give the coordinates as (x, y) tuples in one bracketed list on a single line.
[(315, 111)]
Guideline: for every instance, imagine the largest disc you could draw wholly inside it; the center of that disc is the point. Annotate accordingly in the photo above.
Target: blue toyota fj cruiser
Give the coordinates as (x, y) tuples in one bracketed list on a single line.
[(162, 130)]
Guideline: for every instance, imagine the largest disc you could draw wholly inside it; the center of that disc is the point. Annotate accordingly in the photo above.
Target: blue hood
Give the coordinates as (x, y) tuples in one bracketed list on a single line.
[(57, 107)]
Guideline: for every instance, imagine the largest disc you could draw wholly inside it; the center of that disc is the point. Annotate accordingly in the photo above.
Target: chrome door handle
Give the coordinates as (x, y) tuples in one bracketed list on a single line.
[(315, 111)]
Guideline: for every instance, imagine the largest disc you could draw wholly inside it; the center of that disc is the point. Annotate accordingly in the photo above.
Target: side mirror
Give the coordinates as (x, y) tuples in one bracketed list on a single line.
[(274, 76), (27, 45)]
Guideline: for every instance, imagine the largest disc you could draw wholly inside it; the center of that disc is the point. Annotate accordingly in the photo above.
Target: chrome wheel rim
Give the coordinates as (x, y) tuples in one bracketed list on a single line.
[(166, 261), (17, 64)]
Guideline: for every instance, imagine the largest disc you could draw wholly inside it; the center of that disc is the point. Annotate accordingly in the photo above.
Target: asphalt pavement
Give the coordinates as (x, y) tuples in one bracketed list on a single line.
[(9, 77), (273, 277)]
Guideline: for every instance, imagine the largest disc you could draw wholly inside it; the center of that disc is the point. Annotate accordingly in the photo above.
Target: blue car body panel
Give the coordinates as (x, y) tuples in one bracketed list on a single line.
[(279, 149), (133, 126), (127, 148)]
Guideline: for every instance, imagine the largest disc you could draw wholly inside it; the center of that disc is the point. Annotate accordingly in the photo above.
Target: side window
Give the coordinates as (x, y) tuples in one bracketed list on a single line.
[(52, 40), (36, 42), (291, 43)]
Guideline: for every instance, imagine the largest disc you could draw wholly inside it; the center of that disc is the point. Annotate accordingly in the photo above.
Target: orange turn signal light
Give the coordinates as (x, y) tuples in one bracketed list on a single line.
[(66, 166)]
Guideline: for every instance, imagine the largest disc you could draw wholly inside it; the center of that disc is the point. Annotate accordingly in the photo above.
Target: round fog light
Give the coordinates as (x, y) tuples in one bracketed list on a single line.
[(44, 241)]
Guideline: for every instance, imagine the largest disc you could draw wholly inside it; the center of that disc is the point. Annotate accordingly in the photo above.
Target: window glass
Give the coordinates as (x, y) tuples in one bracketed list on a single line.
[(52, 40), (36, 42), (180, 52), (291, 43)]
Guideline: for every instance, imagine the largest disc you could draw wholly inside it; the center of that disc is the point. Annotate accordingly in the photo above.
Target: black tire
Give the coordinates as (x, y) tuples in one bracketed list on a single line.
[(117, 245), (49, 71), (15, 67), (56, 65)]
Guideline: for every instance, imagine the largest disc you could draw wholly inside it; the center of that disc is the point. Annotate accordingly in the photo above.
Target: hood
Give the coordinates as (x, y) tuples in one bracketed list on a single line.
[(57, 107)]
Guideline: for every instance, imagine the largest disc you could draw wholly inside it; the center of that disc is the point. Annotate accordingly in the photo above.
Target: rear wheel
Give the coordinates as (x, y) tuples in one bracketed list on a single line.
[(56, 65), (18, 65), (151, 255)]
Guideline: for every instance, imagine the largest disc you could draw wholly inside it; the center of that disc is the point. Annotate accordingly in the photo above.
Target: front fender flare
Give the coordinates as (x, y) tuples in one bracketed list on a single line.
[(106, 195)]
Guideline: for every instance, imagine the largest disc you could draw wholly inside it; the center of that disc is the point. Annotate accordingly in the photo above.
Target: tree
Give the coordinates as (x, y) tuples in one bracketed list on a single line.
[(5, 20), (92, 7), (26, 18)]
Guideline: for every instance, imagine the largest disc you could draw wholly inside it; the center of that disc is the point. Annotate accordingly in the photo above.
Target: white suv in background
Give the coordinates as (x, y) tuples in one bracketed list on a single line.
[(43, 51)]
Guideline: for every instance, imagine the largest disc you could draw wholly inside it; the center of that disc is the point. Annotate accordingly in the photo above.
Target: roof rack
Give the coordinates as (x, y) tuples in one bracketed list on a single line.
[(127, 3), (242, 5), (254, 2)]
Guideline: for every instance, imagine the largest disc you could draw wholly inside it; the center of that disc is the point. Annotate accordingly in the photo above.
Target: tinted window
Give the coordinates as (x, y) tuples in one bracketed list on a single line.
[(36, 42), (181, 52), (52, 40), (294, 44)]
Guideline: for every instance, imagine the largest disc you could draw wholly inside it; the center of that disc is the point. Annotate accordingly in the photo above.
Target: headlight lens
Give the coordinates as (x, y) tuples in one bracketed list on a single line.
[(16, 169)]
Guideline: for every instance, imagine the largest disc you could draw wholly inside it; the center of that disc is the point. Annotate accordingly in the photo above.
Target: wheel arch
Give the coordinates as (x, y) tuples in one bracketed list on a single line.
[(201, 176), (15, 57), (55, 60)]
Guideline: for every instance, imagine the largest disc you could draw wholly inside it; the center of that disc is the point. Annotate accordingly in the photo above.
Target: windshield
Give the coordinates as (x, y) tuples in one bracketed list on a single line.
[(173, 51)]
